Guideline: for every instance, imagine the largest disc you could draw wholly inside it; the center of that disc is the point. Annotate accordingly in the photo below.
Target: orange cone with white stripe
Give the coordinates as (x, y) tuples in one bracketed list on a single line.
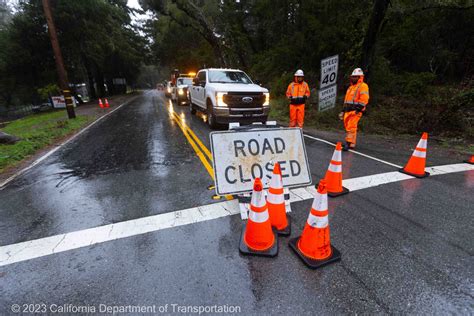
[(471, 161), (107, 103), (314, 245), (416, 165), (276, 203), (101, 104), (258, 237), (334, 174)]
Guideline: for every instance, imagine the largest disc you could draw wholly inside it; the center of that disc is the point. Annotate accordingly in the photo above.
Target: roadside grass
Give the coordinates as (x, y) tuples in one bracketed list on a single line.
[(36, 132), (446, 120)]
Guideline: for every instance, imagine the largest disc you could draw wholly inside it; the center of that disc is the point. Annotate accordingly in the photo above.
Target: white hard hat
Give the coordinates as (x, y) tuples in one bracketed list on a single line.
[(357, 72), (299, 73)]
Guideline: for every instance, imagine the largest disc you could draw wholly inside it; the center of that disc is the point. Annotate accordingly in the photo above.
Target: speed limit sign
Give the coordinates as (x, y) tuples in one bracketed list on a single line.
[(329, 71)]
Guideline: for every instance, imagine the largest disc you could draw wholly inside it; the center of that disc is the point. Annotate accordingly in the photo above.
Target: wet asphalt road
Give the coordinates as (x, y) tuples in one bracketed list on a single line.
[(407, 246)]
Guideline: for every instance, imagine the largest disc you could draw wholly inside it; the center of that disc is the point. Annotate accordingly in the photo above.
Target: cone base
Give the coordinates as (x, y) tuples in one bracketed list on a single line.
[(469, 162), (336, 194), (313, 263), (245, 250), (420, 176), (287, 230)]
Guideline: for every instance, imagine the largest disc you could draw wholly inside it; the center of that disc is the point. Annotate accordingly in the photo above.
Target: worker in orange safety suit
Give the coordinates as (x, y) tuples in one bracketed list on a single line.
[(355, 102), (297, 93)]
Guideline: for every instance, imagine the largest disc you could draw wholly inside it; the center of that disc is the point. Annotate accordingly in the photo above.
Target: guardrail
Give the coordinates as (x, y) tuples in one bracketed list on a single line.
[(16, 112)]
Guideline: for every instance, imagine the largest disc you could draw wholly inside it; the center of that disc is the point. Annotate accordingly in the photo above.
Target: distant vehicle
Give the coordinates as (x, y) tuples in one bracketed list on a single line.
[(45, 106), (168, 90), (179, 93), (228, 95)]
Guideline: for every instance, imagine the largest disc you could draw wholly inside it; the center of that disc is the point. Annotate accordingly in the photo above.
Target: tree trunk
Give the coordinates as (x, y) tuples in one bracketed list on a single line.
[(368, 47), (90, 78), (100, 83), (110, 86), (58, 57)]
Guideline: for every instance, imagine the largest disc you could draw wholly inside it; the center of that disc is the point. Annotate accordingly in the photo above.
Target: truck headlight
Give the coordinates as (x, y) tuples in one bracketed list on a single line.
[(220, 99), (180, 91), (267, 99), (169, 90)]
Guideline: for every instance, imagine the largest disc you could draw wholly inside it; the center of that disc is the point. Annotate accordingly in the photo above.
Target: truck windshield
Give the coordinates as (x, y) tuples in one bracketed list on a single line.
[(185, 81), (225, 76)]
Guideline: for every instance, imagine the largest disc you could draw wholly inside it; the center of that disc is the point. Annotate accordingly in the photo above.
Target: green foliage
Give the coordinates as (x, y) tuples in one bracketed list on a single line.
[(279, 84), (97, 40), (49, 90), (417, 83)]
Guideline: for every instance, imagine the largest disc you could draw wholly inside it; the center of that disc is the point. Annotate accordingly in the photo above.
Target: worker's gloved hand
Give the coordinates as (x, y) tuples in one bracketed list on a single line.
[(341, 116), (297, 100)]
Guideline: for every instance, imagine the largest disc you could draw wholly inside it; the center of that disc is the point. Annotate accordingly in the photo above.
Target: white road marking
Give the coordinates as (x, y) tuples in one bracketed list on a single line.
[(46, 246), (354, 151), (52, 151), (28, 250)]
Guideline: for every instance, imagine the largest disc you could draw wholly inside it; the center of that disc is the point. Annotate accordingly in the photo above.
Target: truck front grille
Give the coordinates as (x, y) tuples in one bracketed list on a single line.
[(244, 99)]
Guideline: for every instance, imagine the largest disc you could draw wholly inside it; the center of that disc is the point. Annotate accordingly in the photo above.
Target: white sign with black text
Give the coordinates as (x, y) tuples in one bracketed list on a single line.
[(329, 71), (60, 103), (241, 156), (328, 87), (327, 98)]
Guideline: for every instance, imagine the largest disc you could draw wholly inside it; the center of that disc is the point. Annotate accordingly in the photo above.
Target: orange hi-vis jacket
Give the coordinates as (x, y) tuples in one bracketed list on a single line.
[(357, 94), (298, 90)]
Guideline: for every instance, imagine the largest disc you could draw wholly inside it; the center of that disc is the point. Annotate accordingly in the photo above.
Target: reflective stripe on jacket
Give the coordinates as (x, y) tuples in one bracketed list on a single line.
[(357, 94), (298, 90)]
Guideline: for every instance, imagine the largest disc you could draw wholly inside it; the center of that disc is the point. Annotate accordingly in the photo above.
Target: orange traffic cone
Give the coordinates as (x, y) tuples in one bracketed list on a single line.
[(107, 103), (334, 174), (314, 245), (257, 237), (416, 165), (101, 104), (471, 161), (276, 203)]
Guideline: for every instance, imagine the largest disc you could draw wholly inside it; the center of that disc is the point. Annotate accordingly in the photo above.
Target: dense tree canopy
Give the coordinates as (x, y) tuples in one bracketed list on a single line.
[(97, 38), (269, 38), (416, 54)]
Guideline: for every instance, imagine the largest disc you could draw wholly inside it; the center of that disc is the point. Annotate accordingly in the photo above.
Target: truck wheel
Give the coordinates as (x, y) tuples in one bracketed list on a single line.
[(192, 109), (211, 118)]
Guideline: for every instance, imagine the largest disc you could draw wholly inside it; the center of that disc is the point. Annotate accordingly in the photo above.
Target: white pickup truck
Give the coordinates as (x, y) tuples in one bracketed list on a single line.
[(228, 95)]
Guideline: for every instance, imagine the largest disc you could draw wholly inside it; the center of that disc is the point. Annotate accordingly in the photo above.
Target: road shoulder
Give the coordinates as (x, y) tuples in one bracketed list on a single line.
[(89, 110)]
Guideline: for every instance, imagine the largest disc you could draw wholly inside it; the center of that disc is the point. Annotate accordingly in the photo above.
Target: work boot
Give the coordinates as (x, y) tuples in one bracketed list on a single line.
[(346, 146)]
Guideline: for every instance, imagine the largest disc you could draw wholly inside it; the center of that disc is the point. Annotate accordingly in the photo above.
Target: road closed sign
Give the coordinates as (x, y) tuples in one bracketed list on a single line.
[(241, 156)]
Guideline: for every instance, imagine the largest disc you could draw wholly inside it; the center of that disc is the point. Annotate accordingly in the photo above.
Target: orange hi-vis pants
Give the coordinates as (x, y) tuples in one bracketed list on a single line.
[(351, 119), (296, 115)]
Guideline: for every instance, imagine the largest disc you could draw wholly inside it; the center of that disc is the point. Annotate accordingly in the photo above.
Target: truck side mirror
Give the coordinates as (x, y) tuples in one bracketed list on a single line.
[(196, 82)]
